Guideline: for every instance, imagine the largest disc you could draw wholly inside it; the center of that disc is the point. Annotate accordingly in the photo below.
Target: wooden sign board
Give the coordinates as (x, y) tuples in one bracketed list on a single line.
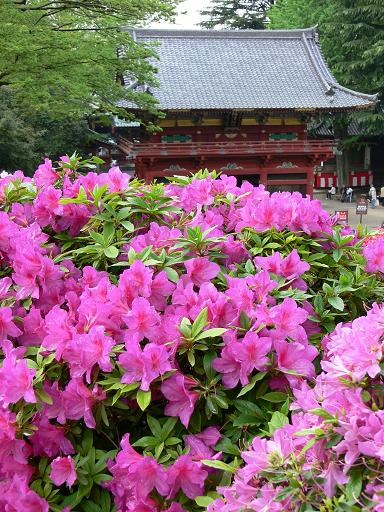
[(342, 216), (362, 207)]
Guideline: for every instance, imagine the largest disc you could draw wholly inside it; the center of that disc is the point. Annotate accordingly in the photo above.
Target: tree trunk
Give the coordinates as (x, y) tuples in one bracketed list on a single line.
[(342, 156)]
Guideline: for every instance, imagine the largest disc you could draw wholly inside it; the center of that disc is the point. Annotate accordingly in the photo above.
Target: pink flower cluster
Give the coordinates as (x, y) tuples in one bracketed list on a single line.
[(65, 330), (345, 404)]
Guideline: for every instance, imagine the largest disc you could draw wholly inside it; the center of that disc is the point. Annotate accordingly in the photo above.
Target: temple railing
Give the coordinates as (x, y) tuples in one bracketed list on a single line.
[(164, 150)]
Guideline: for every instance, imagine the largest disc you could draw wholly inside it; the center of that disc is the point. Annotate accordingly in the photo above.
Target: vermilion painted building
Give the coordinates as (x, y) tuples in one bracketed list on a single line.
[(239, 102)]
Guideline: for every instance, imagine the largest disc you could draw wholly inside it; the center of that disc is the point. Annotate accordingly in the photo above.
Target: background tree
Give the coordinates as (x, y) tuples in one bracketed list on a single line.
[(58, 66), (237, 14), (352, 38), (61, 55), (26, 137)]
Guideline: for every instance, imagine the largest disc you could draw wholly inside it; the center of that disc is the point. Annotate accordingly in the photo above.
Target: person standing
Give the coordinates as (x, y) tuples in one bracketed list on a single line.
[(382, 196), (349, 194), (343, 194), (331, 192), (373, 196)]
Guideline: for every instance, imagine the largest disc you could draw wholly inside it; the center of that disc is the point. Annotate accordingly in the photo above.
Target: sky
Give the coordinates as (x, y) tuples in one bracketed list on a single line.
[(189, 20)]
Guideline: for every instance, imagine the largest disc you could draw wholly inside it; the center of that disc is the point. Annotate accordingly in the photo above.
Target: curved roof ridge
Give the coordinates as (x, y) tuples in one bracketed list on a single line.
[(219, 33), (315, 64), (325, 74), (371, 97)]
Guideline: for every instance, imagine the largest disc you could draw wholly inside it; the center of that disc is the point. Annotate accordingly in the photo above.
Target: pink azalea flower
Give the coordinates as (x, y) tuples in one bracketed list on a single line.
[(296, 357), (161, 289), (187, 475), (63, 470), (144, 366), (5, 284), (77, 403), (270, 263), (46, 206), (45, 174), (33, 327), (84, 351), (177, 390), (241, 295), (137, 279), (135, 476), (333, 476), (374, 254), (261, 284), (229, 365), (16, 379), (142, 321), (59, 331), (292, 266), (200, 270), (287, 318), (252, 353), (117, 181), (146, 474), (49, 440), (7, 326), (15, 496), (201, 445)]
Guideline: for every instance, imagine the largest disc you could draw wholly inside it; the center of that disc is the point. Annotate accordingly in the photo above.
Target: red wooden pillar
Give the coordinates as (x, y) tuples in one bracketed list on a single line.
[(263, 178), (310, 181)]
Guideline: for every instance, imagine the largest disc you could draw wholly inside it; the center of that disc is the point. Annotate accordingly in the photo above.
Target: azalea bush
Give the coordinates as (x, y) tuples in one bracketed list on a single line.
[(185, 346)]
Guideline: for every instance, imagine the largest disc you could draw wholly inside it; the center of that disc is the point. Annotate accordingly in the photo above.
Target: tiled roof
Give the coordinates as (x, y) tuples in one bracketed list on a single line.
[(326, 130), (245, 69)]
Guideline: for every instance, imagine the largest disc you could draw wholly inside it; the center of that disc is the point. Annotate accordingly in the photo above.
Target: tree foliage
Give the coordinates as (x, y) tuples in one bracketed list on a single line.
[(61, 55), (25, 137), (352, 37), (237, 14)]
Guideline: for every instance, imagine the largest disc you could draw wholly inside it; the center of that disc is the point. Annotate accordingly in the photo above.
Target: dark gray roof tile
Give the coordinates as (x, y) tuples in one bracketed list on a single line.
[(246, 69)]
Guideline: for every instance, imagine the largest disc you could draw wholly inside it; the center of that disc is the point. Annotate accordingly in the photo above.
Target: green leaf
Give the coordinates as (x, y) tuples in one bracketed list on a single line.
[(218, 464), (90, 506), (274, 397), (146, 441), (354, 485), (321, 412), (97, 237), (172, 274), (203, 501), (128, 226), (124, 213), (251, 385), (43, 396), (337, 254), (211, 333), (225, 445), (308, 445), (246, 419), (155, 427), (108, 232), (168, 426), (284, 493), (171, 441), (143, 399), (111, 252), (87, 441), (277, 421), (101, 477), (191, 358), (200, 322), (337, 303)]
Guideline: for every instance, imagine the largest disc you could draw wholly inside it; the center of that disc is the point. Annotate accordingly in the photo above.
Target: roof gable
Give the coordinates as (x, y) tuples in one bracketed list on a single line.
[(246, 69)]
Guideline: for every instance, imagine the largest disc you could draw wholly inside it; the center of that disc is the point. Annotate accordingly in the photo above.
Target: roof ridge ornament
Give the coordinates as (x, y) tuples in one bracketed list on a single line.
[(328, 87)]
